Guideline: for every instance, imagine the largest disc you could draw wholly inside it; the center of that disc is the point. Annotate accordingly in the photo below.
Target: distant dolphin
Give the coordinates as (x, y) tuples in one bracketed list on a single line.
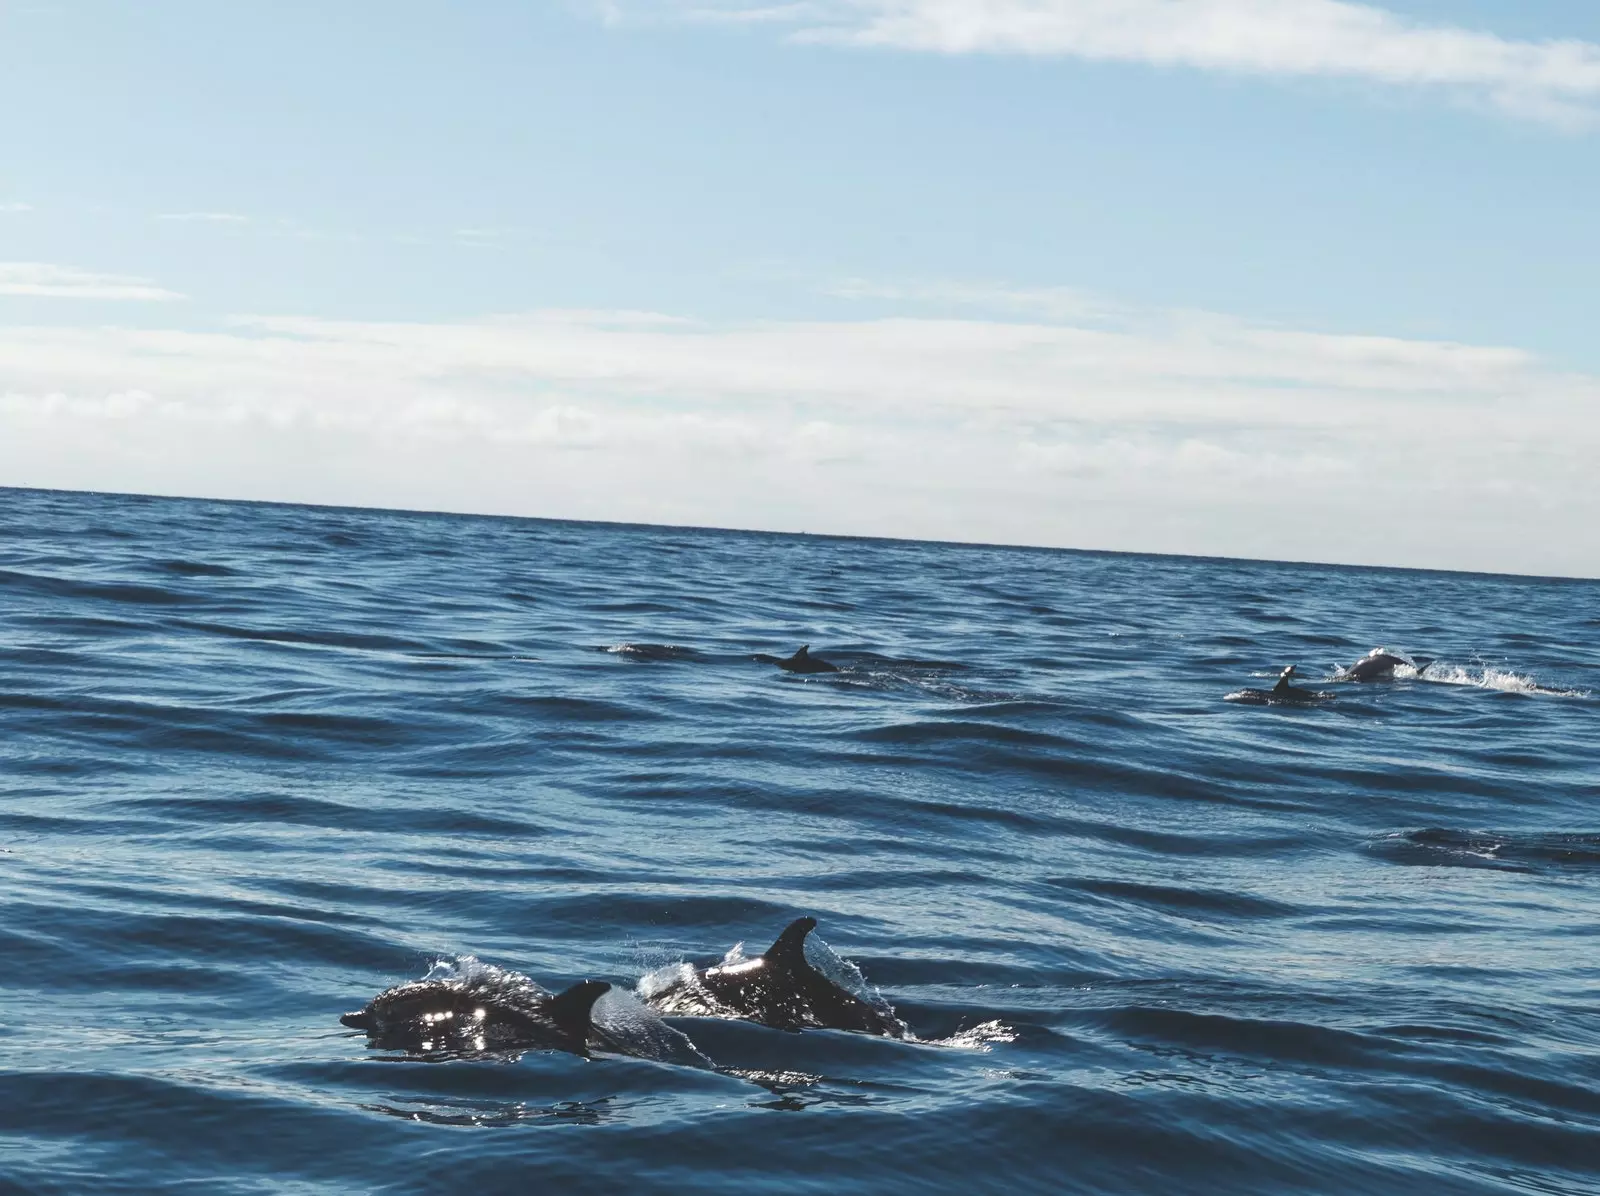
[(1281, 694), (801, 662), (502, 1011), (779, 989), (1379, 665)]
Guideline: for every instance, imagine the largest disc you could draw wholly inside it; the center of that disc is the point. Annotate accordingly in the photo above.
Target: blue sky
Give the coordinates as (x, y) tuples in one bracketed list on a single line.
[(1292, 278)]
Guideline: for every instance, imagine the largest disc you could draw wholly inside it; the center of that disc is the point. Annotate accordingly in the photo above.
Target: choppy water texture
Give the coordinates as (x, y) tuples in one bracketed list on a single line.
[(260, 762)]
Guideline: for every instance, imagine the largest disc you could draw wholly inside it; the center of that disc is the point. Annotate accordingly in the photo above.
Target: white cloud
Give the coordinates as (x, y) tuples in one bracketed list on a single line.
[(16, 207), (1050, 303), (1170, 432), (205, 217), (40, 279), (1553, 80)]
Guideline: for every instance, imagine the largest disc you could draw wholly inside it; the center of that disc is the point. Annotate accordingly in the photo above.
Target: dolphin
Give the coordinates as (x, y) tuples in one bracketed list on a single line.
[(1281, 693), (801, 662), (494, 1010), (1379, 665), (779, 989)]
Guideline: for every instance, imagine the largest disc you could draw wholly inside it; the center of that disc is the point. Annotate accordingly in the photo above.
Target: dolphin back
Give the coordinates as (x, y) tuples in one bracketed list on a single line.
[(495, 1011), (803, 662), (788, 950), (827, 1004)]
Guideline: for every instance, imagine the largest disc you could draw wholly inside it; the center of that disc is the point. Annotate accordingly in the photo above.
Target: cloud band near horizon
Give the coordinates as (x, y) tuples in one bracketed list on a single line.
[(1155, 431)]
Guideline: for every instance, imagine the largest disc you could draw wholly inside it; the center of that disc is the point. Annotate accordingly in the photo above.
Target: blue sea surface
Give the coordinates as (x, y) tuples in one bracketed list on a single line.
[(259, 762)]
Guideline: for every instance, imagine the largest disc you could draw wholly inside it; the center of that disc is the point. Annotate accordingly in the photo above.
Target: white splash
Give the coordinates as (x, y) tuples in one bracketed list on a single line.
[(975, 1038), (1482, 675), (469, 970)]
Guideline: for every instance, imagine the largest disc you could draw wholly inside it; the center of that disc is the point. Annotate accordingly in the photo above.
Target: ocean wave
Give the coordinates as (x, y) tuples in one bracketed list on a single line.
[(258, 763)]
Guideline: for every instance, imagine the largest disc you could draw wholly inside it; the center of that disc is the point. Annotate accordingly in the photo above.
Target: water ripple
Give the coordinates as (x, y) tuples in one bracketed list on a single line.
[(258, 763)]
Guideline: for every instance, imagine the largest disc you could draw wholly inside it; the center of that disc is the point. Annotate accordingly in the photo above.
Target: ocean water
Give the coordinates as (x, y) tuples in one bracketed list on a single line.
[(258, 763)]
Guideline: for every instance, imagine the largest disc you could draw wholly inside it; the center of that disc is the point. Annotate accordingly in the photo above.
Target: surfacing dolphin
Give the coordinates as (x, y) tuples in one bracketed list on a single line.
[(1379, 665), (801, 662), (780, 989), (1281, 694), (487, 1010)]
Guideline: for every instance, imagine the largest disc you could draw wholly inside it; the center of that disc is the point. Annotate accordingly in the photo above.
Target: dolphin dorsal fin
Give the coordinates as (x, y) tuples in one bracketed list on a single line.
[(789, 949), (573, 1010), (1283, 679), (805, 650)]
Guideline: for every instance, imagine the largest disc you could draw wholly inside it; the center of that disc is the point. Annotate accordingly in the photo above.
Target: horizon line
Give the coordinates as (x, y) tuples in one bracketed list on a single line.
[(760, 531)]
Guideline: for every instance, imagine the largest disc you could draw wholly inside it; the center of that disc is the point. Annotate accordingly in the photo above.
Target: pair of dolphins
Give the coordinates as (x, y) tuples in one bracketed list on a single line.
[(503, 1011), (1377, 665)]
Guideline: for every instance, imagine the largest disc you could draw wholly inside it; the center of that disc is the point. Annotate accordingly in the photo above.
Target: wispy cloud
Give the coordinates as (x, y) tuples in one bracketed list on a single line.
[(1167, 431), (40, 279), (1556, 80), (205, 217), (16, 207)]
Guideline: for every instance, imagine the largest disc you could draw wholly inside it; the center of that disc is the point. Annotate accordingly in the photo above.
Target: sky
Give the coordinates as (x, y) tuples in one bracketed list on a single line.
[(1291, 279)]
